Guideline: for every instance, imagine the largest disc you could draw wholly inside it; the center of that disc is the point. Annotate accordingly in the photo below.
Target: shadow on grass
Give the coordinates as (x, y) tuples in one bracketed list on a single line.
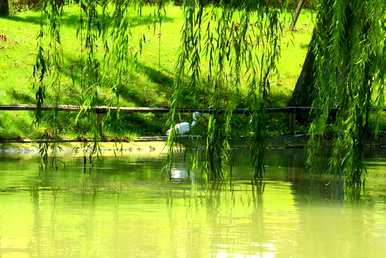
[(148, 87), (22, 97), (155, 75), (304, 46), (72, 20), (279, 99)]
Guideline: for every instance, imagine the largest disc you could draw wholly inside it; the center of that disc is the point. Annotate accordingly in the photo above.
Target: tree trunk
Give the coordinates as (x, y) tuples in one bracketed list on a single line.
[(297, 14), (4, 8), (304, 92)]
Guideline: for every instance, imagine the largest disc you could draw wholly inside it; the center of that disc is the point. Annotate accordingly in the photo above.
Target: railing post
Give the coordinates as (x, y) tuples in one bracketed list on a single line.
[(292, 112)]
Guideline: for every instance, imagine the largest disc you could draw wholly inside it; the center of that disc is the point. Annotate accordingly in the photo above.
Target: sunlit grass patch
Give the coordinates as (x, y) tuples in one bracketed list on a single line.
[(152, 71)]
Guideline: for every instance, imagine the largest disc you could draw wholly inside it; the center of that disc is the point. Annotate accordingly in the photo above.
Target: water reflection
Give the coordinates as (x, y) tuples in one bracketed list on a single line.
[(125, 208), (181, 174)]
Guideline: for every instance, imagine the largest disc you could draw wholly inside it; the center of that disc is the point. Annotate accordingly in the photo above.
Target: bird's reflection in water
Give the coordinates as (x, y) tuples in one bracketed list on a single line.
[(181, 175)]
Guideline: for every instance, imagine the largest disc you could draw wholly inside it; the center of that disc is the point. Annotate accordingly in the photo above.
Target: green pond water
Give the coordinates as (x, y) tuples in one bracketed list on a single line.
[(126, 207)]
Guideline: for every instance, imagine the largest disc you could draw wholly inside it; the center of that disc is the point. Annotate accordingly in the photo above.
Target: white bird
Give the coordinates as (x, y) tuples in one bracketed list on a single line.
[(184, 127)]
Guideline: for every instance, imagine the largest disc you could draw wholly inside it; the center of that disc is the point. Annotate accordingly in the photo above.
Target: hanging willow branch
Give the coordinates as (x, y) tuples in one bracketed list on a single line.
[(350, 67), (47, 72), (225, 49), (107, 51)]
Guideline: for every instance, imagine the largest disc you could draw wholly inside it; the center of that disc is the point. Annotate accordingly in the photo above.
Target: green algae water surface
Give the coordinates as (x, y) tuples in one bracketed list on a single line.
[(126, 207)]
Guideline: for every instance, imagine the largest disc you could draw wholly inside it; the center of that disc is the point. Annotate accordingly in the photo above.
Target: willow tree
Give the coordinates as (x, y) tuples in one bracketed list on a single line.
[(230, 48), (106, 49), (349, 67), (305, 91), (235, 43)]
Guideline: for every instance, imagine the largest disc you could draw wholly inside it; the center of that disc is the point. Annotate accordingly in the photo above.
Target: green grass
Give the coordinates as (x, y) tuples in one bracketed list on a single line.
[(152, 78)]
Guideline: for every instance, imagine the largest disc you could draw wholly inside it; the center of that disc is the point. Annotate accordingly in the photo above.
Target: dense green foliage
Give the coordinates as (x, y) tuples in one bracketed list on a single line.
[(151, 77), (350, 67), (241, 48), (228, 55), (103, 28), (254, 30)]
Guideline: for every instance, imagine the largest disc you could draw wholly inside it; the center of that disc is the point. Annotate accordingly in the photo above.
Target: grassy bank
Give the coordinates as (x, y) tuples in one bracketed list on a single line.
[(152, 74)]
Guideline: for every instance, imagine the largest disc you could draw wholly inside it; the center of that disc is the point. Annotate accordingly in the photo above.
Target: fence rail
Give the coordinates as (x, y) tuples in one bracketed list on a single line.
[(105, 109), (89, 140), (292, 111)]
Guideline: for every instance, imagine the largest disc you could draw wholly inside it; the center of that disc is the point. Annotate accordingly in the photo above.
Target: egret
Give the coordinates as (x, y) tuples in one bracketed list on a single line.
[(184, 127)]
